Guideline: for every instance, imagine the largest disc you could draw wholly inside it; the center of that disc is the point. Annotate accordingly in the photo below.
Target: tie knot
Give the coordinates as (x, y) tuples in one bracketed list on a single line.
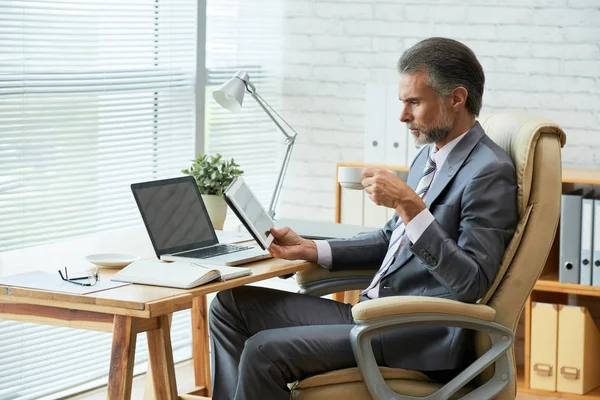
[(427, 177), (430, 166), (430, 159)]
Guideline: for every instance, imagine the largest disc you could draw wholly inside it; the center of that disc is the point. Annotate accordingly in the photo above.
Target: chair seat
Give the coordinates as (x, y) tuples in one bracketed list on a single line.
[(347, 384)]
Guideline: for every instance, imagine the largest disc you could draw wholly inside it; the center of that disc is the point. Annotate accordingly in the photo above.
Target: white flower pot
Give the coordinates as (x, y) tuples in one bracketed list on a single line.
[(217, 209)]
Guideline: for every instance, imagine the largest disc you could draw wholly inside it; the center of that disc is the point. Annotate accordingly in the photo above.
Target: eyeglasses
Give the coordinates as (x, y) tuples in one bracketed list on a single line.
[(89, 280)]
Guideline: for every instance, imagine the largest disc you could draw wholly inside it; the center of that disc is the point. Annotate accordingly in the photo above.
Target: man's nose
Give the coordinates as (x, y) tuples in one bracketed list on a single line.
[(405, 115)]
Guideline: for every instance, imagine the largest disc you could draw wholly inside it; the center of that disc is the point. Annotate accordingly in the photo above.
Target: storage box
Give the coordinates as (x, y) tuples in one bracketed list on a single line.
[(544, 334), (578, 351)]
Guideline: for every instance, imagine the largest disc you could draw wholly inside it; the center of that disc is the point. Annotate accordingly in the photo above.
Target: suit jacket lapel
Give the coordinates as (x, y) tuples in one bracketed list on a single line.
[(403, 256), (417, 169), (453, 163)]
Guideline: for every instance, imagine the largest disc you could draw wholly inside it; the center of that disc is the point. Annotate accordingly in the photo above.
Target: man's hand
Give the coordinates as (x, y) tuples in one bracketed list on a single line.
[(386, 189), (288, 245)]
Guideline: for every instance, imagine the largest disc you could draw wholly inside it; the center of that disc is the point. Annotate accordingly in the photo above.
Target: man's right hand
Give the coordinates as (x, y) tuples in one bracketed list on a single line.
[(288, 245)]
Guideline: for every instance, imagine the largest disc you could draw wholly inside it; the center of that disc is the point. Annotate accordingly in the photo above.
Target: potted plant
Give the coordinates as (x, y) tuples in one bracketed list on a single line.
[(213, 174)]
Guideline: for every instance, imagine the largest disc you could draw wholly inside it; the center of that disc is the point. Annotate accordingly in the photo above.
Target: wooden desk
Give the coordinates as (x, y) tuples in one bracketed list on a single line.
[(129, 310)]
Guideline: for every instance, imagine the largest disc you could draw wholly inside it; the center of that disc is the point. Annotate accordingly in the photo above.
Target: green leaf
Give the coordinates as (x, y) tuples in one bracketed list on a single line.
[(213, 173)]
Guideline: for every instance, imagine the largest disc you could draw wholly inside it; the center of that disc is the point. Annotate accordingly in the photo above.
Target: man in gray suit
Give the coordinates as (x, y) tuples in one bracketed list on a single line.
[(454, 218)]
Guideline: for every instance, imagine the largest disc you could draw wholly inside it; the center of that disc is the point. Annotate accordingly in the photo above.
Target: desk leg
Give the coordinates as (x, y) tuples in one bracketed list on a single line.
[(161, 360), (121, 358), (149, 393), (200, 345)]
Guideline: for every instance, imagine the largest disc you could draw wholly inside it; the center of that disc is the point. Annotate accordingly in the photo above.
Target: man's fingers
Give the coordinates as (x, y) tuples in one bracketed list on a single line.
[(367, 182), (279, 233), (275, 250), (372, 197), (368, 172)]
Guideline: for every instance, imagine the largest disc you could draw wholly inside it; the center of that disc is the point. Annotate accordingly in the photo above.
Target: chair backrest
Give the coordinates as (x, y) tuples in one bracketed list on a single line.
[(534, 145)]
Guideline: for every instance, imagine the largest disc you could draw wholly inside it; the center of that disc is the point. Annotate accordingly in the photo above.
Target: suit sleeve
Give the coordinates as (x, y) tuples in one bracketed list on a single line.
[(488, 218), (364, 251)]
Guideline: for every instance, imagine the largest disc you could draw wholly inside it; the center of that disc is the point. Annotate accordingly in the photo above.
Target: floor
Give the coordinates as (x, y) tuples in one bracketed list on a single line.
[(185, 383)]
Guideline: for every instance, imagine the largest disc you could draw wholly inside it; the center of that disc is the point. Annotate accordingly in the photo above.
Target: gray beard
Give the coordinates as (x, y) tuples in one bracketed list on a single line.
[(433, 135)]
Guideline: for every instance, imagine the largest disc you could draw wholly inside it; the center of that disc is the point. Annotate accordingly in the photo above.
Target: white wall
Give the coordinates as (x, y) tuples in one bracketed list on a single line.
[(539, 56)]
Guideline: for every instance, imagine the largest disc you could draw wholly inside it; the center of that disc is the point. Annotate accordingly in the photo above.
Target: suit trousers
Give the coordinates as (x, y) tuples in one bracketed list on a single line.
[(263, 339)]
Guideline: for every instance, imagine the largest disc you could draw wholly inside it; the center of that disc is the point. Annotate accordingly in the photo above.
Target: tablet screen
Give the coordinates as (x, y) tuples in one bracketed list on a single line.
[(253, 214)]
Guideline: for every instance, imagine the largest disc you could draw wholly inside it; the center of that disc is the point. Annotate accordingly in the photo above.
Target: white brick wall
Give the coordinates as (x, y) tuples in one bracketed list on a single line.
[(540, 57)]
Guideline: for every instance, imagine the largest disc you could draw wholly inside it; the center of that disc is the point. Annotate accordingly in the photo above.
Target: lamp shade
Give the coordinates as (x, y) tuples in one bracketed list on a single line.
[(230, 95)]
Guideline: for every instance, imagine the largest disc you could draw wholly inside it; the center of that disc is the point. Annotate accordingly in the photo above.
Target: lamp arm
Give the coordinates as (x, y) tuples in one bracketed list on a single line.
[(289, 142), (263, 104)]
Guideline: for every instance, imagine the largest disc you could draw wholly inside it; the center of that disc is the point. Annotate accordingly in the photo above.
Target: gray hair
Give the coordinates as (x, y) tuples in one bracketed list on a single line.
[(448, 64)]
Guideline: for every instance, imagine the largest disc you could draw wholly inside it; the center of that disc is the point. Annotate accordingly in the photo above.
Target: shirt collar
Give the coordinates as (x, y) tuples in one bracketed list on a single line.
[(440, 155)]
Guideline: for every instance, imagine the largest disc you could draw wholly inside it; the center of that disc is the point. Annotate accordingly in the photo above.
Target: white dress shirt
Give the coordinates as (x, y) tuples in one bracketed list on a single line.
[(416, 227)]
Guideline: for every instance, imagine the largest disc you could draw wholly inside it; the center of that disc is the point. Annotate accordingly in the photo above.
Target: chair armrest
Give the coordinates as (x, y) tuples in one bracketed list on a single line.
[(402, 305), (319, 281), (317, 273), (377, 316)]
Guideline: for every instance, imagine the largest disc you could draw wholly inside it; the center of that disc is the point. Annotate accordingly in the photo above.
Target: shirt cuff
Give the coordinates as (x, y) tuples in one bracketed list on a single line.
[(324, 257), (419, 224)]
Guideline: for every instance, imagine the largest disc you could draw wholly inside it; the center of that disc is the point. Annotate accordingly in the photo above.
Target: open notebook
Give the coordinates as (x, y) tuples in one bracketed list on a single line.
[(178, 274)]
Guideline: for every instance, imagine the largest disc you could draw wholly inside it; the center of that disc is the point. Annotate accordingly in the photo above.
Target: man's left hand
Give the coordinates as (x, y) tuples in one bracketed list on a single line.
[(386, 189)]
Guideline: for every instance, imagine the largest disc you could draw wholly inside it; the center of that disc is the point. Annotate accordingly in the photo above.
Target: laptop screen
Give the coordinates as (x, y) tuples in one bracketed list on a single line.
[(174, 215)]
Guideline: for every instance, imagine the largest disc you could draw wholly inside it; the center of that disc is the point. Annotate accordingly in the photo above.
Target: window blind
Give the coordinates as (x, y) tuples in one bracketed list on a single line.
[(94, 95), (245, 35)]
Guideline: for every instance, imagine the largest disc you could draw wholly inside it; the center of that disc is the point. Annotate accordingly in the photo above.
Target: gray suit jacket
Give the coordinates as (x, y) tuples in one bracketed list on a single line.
[(474, 202)]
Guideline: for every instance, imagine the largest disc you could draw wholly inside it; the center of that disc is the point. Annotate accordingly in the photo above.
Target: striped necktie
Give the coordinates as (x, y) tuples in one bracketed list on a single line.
[(400, 228)]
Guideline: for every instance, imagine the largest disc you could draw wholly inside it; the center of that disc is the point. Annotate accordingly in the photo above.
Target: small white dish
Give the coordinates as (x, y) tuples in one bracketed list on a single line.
[(111, 260), (352, 185)]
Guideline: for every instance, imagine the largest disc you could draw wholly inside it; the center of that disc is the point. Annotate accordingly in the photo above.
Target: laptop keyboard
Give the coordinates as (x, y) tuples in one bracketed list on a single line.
[(214, 251)]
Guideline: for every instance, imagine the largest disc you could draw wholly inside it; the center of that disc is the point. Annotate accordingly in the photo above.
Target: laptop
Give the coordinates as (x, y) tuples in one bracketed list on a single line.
[(179, 226)]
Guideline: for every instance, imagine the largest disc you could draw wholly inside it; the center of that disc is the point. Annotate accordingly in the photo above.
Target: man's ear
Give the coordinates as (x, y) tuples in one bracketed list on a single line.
[(458, 98)]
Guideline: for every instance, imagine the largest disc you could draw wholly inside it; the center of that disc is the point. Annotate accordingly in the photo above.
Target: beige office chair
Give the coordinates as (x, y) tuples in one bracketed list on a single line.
[(534, 144)]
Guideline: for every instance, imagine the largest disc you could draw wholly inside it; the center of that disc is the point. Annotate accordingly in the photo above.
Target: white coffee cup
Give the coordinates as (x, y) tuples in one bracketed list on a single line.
[(351, 177)]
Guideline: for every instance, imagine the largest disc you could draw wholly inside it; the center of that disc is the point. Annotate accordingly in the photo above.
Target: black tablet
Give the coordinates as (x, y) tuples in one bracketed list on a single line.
[(250, 211)]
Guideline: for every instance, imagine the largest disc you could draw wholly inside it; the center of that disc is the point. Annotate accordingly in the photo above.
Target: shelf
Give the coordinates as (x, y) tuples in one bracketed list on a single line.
[(569, 175), (593, 395), (580, 175), (550, 283), (403, 168)]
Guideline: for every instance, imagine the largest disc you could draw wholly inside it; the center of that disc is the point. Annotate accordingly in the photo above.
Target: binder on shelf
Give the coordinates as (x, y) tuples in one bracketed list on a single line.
[(596, 245), (375, 123), (587, 236), (570, 237), (578, 351), (396, 132), (544, 341)]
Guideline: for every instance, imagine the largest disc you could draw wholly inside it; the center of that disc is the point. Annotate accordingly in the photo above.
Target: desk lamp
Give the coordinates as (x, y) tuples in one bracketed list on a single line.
[(230, 95)]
